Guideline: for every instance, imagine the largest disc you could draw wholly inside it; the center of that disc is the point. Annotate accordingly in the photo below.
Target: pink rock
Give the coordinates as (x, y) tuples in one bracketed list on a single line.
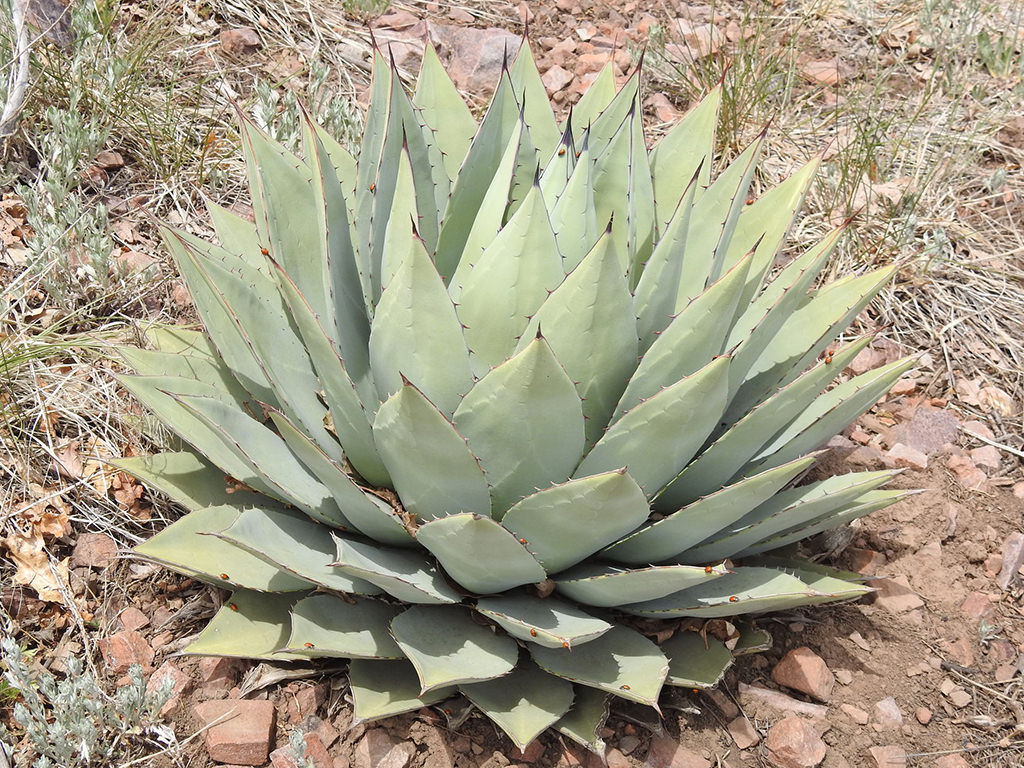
[(858, 715), (987, 458), (867, 456), (866, 360), (133, 618), (125, 648), (1018, 490), (1013, 559), (780, 701), (533, 752), (180, 684), (904, 456), (94, 550), (614, 758), (315, 753), (977, 606), (243, 730), (952, 761), (923, 715), (307, 700), (219, 669), (666, 752), (967, 474), (794, 743), (887, 714), (373, 748), (889, 756), (743, 733), (803, 670), (895, 595), (476, 56), (240, 41), (961, 650), (556, 78), (865, 561)]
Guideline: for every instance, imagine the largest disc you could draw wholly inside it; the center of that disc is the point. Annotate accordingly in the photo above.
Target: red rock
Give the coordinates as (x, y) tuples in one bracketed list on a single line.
[(533, 752), (993, 565), (858, 715), (476, 56), (977, 606), (1000, 651), (961, 650), (556, 78), (867, 456), (895, 595), (243, 731), (240, 40), (1013, 559), (951, 761), (865, 561), (929, 430), (904, 456), (905, 386), (889, 756), (743, 733), (987, 458), (125, 648), (866, 360), (308, 699), (396, 20), (315, 753), (887, 714), (133, 618), (180, 684), (666, 752), (614, 758), (960, 698), (724, 703), (822, 72), (373, 748), (109, 160), (794, 743), (968, 475), (219, 669), (923, 715), (803, 670), (780, 701), (94, 550)]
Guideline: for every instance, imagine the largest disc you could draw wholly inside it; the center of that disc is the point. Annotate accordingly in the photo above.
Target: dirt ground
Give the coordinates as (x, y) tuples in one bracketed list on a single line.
[(943, 636)]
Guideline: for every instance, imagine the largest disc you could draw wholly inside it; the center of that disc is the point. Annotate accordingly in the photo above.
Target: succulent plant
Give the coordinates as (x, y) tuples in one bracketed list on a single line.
[(506, 410)]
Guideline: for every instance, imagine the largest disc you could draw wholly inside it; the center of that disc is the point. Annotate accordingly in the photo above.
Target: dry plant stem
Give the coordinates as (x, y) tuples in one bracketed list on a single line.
[(17, 80)]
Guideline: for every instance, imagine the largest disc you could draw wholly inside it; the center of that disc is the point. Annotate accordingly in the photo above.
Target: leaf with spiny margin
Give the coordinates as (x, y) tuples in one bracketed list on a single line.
[(479, 553), (731, 451), (752, 640), (254, 443), (565, 524), (407, 575), (744, 590), (400, 235), (606, 586), (692, 524), (763, 225), (189, 479), (385, 688), (832, 412), (658, 286), (250, 625), (583, 723), (573, 214), (185, 546), (341, 162), (209, 370), (692, 339), (607, 117), (786, 510), (369, 173), (237, 235), (348, 407), (712, 224), (349, 289), (696, 661), (533, 97), (621, 661), (447, 647), (685, 152), (367, 513), (555, 173), (549, 622), (354, 627), (296, 544), (178, 340), (514, 276), (595, 100), (485, 154), (416, 334), (433, 470), (588, 320), (524, 703), (656, 439), (524, 423), (442, 109), (159, 395)]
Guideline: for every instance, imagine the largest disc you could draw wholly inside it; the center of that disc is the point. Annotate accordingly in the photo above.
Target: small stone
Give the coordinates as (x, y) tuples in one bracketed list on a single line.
[(399, 757), (133, 618), (240, 40), (315, 752), (968, 475), (987, 458), (556, 78), (781, 701), (109, 160), (858, 715), (373, 748), (803, 670), (977, 606), (866, 360), (614, 758), (628, 744), (125, 648), (962, 651), (887, 714), (959, 698), (533, 752), (243, 730), (844, 676), (794, 743), (904, 456), (179, 681), (929, 430), (905, 386), (993, 565), (1018, 490), (93, 550), (860, 642), (220, 670), (867, 456), (889, 756), (666, 752), (895, 595), (951, 761), (725, 704), (308, 699), (743, 733), (923, 715), (865, 561), (1013, 559)]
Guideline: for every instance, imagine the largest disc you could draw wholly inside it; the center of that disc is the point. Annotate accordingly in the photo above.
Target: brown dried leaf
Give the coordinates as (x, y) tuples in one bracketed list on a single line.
[(34, 567)]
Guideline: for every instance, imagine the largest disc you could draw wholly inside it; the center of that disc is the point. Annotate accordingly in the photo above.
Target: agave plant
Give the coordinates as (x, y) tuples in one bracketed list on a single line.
[(489, 408)]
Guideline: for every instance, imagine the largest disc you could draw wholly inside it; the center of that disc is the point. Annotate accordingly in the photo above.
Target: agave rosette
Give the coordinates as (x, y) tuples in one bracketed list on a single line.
[(469, 410)]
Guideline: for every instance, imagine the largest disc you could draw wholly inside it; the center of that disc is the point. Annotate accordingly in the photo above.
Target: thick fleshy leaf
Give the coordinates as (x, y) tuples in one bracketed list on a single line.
[(567, 523), (236, 234), (696, 661), (596, 100), (524, 423), (440, 107), (656, 439), (186, 546), (583, 723), (354, 627), (208, 369), (524, 703), (189, 479), (608, 587), (250, 625), (433, 469), (533, 97), (549, 622), (409, 576), (573, 215), (447, 647), (621, 661), (386, 688), (480, 554)]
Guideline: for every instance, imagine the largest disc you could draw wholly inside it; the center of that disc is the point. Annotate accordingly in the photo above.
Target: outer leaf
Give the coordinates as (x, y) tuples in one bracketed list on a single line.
[(524, 703), (533, 97), (442, 108), (608, 587), (188, 479), (408, 576), (386, 688), (696, 661), (549, 622), (236, 235), (621, 661), (325, 625), (596, 100), (524, 423), (498, 561), (250, 625), (447, 647), (433, 469)]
